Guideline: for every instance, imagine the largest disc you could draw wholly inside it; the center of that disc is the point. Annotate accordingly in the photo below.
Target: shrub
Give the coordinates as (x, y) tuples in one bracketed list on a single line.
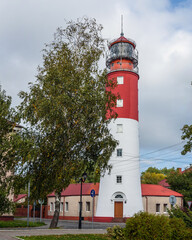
[(179, 231), (148, 226), (184, 214), (116, 232)]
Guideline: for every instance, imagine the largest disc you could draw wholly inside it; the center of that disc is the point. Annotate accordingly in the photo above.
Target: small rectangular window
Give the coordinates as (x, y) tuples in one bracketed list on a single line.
[(119, 128), (119, 152), (118, 179), (157, 208), (66, 206), (120, 80), (88, 206), (164, 207), (119, 102), (61, 206)]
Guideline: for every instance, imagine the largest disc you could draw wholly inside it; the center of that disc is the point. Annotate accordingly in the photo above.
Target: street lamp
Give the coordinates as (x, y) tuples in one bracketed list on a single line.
[(82, 179)]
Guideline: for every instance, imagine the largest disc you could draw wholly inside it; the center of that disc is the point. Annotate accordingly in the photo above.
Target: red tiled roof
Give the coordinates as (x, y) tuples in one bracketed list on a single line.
[(147, 190), (74, 189), (18, 197), (157, 190)]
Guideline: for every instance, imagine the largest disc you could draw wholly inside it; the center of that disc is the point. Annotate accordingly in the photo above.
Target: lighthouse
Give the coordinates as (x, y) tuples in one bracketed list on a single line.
[(120, 190)]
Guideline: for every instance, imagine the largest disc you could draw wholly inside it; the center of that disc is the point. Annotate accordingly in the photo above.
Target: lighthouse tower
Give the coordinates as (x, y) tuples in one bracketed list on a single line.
[(120, 191)]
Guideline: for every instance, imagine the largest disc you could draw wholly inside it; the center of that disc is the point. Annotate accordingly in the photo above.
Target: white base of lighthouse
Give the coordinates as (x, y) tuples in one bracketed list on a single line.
[(120, 192)]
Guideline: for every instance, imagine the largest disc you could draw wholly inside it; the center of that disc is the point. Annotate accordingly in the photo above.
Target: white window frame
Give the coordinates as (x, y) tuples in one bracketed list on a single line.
[(119, 102), (66, 206), (119, 128), (120, 80), (119, 179), (119, 152)]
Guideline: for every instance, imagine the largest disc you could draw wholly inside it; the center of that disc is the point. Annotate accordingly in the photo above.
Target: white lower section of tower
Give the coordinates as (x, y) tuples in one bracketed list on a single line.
[(125, 168)]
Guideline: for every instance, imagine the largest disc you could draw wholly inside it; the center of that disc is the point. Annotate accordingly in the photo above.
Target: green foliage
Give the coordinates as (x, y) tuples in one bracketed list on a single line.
[(116, 232), (6, 128), (179, 229), (66, 110), (19, 223), (187, 135), (6, 206), (154, 175), (147, 226), (183, 214), (69, 237), (6, 134), (152, 178), (181, 183)]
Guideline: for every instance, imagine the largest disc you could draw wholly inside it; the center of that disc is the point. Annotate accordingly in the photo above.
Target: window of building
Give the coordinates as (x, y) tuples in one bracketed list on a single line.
[(118, 179), (119, 102), (120, 80), (165, 207), (157, 208), (88, 206), (119, 152), (119, 128), (51, 206), (66, 206), (118, 196), (61, 206)]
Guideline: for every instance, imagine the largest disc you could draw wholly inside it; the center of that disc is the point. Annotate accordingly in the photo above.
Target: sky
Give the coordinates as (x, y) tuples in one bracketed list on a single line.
[(163, 33)]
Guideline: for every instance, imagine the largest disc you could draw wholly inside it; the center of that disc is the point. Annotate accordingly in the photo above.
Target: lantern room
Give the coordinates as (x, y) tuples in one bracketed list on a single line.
[(122, 55)]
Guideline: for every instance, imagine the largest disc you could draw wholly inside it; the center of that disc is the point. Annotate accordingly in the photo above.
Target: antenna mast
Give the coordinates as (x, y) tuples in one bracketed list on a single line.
[(122, 34)]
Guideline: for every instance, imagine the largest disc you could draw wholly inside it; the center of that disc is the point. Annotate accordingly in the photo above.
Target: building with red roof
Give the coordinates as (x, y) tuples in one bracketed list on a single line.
[(155, 200)]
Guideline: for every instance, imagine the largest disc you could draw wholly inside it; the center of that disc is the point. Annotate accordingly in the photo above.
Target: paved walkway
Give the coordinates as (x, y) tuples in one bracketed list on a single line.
[(66, 227)]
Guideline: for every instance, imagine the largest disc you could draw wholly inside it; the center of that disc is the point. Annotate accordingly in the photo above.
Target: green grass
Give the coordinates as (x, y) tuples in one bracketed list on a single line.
[(19, 223), (69, 237)]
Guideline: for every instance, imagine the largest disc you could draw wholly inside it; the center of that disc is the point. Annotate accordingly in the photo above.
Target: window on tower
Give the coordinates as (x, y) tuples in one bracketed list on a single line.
[(118, 179), (119, 102), (120, 80), (119, 128), (119, 152)]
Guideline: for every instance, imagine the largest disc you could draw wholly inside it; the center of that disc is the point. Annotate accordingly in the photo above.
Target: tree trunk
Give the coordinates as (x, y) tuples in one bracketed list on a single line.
[(55, 218)]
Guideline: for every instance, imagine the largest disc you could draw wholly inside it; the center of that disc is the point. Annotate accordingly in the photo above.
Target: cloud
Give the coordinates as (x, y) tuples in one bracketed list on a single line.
[(161, 29)]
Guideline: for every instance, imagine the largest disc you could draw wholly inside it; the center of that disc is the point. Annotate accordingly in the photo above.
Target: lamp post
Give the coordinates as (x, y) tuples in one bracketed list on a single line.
[(82, 179)]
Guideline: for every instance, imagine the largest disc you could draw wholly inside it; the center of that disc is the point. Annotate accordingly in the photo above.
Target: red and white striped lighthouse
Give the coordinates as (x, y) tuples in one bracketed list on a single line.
[(120, 191)]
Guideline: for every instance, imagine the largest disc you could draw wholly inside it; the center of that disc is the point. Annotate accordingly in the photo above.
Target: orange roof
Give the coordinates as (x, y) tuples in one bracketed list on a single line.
[(157, 190), (147, 190)]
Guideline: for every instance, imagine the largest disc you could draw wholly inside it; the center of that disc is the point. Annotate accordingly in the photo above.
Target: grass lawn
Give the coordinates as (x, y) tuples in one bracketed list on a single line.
[(69, 237), (19, 223)]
